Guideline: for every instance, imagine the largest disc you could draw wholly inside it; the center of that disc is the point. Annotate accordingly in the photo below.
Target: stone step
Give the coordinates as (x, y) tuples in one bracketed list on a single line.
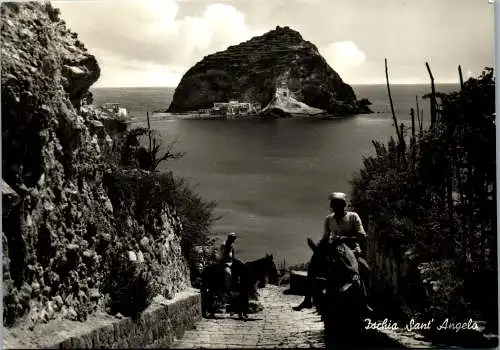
[(276, 326)]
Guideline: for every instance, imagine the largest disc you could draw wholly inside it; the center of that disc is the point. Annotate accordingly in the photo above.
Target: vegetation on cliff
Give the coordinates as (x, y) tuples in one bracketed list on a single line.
[(81, 232), (252, 70), (434, 198)]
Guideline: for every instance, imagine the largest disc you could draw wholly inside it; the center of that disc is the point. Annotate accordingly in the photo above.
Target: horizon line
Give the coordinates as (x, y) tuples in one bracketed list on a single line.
[(352, 84)]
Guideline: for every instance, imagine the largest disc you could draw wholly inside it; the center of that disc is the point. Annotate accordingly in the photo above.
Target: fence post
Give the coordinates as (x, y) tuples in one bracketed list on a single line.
[(413, 140), (420, 121), (398, 133), (149, 132), (461, 77), (433, 96)]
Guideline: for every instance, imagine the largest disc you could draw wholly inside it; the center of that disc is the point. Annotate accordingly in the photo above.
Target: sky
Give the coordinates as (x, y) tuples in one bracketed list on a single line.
[(141, 43)]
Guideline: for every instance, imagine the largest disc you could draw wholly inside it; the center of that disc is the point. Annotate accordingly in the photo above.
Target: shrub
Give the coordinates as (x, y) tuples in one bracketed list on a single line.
[(129, 284), (438, 196), (150, 192), (142, 195), (197, 218), (196, 215), (135, 154)]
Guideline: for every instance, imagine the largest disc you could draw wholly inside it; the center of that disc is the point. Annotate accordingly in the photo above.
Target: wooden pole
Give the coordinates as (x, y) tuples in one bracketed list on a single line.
[(461, 77), (433, 97), (450, 163), (413, 139), (422, 119), (392, 104), (449, 200), (149, 132), (418, 113), (469, 192), (458, 166), (402, 145)]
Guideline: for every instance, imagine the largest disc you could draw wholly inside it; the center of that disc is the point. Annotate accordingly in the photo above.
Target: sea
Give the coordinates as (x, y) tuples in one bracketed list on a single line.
[(271, 179)]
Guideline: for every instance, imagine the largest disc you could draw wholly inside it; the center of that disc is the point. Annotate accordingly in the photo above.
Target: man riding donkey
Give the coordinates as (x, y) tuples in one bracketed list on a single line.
[(227, 259), (235, 277), (341, 225)]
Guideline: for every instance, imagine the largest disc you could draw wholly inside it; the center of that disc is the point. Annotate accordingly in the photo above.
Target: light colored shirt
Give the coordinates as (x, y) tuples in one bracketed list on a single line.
[(227, 252), (349, 225)]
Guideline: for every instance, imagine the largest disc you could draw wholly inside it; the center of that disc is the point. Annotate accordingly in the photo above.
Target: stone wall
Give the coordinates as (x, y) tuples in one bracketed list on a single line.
[(396, 283), (65, 228), (157, 327)]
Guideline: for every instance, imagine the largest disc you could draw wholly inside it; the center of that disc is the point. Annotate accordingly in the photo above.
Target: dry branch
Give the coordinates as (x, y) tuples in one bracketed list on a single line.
[(433, 96), (400, 136)]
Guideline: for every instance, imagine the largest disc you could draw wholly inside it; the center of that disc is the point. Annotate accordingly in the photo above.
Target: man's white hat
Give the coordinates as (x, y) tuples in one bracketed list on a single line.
[(337, 195), (232, 234)]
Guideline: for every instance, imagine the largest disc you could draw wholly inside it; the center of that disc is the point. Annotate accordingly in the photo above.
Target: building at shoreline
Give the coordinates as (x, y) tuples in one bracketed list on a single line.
[(115, 110), (234, 109)]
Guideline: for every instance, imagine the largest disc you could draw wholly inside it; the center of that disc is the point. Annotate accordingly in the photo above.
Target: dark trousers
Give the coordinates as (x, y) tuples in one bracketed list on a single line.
[(313, 271), (364, 271)]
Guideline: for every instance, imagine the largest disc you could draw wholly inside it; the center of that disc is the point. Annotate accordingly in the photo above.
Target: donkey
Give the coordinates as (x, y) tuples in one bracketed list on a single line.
[(244, 280)]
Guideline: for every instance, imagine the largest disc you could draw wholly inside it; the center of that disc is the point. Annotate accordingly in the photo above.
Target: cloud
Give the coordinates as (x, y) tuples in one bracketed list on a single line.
[(345, 58), (227, 25), (343, 55), (119, 72), (129, 35), (169, 36)]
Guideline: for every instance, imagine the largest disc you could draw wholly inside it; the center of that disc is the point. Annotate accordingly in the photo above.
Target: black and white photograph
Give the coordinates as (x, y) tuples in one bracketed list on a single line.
[(221, 174)]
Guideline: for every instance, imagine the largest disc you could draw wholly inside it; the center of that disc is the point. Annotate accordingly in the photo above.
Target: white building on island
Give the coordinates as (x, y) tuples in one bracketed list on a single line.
[(234, 109)]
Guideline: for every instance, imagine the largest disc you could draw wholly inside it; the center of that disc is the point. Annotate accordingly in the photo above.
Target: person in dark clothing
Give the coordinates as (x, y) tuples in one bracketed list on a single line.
[(227, 258)]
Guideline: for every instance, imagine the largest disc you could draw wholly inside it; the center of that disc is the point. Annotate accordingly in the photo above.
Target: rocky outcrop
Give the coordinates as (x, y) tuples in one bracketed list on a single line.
[(253, 71), (9, 198), (283, 104), (68, 228)]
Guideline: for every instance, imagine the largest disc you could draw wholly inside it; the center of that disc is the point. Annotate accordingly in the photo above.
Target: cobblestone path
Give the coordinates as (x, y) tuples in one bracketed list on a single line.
[(277, 326)]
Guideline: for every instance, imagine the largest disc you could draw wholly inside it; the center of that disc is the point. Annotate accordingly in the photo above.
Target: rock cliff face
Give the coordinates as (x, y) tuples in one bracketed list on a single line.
[(70, 212), (253, 71)]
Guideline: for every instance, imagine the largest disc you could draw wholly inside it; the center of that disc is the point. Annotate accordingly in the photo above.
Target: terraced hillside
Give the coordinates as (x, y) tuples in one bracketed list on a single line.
[(252, 70)]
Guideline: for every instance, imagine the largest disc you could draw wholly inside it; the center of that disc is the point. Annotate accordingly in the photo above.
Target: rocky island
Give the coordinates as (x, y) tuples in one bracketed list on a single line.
[(279, 71)]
